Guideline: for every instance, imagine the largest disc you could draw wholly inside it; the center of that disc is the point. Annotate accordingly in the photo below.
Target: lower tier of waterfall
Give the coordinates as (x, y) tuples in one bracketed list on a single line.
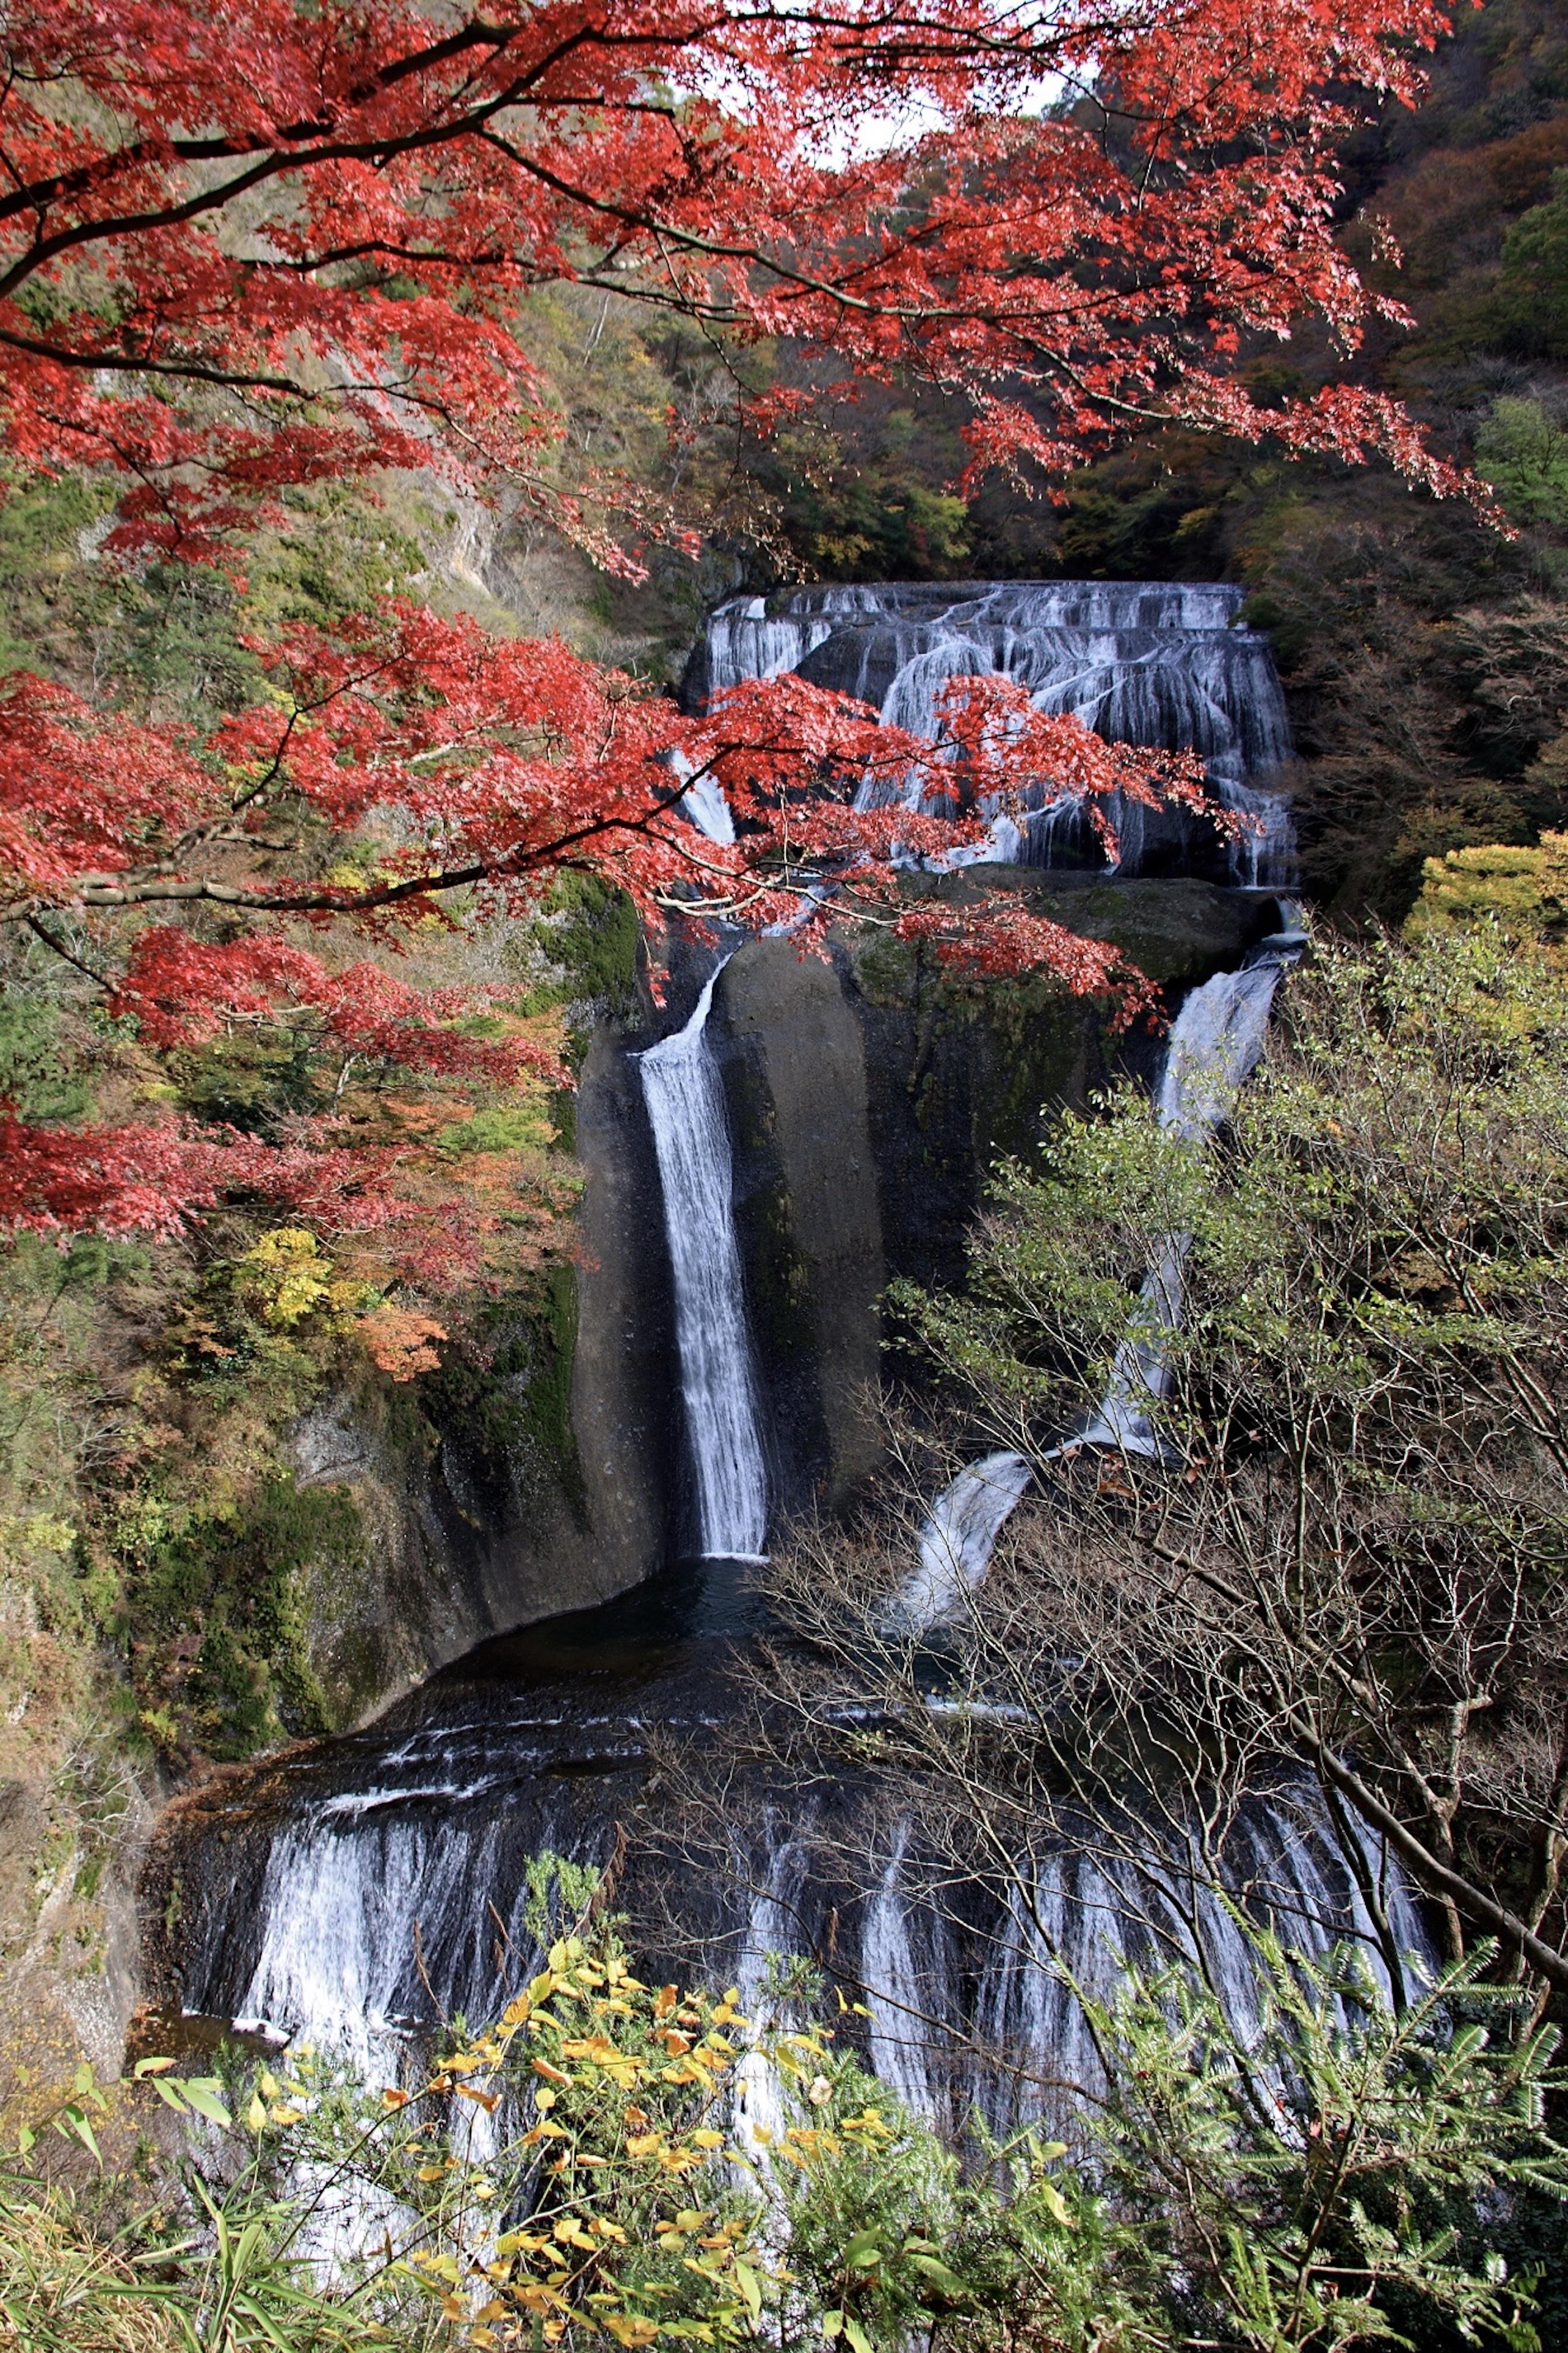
[(354, 1894)]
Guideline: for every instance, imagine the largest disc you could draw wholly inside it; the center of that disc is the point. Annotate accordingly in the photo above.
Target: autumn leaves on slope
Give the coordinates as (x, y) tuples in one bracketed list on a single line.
[(245, 257)]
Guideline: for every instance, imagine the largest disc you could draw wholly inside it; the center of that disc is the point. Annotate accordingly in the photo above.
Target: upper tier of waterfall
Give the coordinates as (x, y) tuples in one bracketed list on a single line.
[(1161, 663)]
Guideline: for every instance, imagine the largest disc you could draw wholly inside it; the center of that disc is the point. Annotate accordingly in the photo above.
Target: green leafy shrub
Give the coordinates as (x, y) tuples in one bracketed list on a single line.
[(1523, 453), (1533, 296), (578, 2173)]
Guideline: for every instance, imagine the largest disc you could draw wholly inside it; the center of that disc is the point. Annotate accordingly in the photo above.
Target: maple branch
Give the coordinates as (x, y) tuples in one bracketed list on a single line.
[(59, 948)]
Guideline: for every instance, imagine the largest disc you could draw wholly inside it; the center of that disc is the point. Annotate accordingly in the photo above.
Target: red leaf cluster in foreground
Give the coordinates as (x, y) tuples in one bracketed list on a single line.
[(154, 1180), (325, 218), (252, 246)]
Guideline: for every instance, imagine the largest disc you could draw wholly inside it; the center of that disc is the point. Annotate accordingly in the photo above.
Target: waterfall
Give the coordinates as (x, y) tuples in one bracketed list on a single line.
[(354, 1892), (957, 1542), (1157, 663), (1215, 1044), (384, 1886), (685, 1098)]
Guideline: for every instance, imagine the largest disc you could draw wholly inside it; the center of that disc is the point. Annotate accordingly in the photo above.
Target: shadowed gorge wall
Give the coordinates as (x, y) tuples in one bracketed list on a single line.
[(492, 1495), (808, 1209)]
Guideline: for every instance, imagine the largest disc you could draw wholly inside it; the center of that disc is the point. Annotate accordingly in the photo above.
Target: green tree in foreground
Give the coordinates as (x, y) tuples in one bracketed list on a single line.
[(1348, 1549)]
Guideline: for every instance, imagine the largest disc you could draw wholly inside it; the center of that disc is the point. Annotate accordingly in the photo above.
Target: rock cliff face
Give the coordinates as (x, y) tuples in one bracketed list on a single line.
[(868, 1097), (541, 1486)]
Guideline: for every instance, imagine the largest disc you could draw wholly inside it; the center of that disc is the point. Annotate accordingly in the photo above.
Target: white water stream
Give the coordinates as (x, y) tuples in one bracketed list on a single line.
[(685, 1098), (1215, 1044)]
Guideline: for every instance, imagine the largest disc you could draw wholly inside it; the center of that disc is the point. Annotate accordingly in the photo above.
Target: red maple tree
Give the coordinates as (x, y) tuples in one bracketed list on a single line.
[(249, 247)]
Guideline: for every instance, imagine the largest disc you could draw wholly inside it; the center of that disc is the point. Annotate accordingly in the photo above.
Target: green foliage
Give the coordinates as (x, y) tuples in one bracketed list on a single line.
[(508, 1386), (1343, 2177), (338, 552), (1533, 296), (582, 950), (612, 2195), (262, 1327), (178, 646), (217, 1607), (875, 521), (504, 1128), (1340, 2177), (1523, 453), (1389, 1196), (37, 1078), (891, 2235), (41, 527), (246, 1078)]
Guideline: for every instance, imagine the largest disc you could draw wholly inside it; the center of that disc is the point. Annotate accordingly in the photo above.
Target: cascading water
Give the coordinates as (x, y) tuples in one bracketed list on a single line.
[(957, 1542), (1156, 663), (1215, 1044), (354, 1893), (685, 1098), (381, 1883)]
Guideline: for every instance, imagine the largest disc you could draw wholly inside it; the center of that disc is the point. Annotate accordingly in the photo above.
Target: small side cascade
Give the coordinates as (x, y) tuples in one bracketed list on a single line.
[(957, 1542), (1214, 1045), (1216, 1041), (685, 1099)]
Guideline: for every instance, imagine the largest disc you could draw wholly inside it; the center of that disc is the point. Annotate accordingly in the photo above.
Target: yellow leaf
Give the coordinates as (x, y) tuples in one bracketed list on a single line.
[(255, 2115), (631, 2328), (1055, 2205)]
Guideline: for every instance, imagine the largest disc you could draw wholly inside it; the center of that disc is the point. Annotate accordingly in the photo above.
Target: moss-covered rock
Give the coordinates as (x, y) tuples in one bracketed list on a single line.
[(219, 1607)]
